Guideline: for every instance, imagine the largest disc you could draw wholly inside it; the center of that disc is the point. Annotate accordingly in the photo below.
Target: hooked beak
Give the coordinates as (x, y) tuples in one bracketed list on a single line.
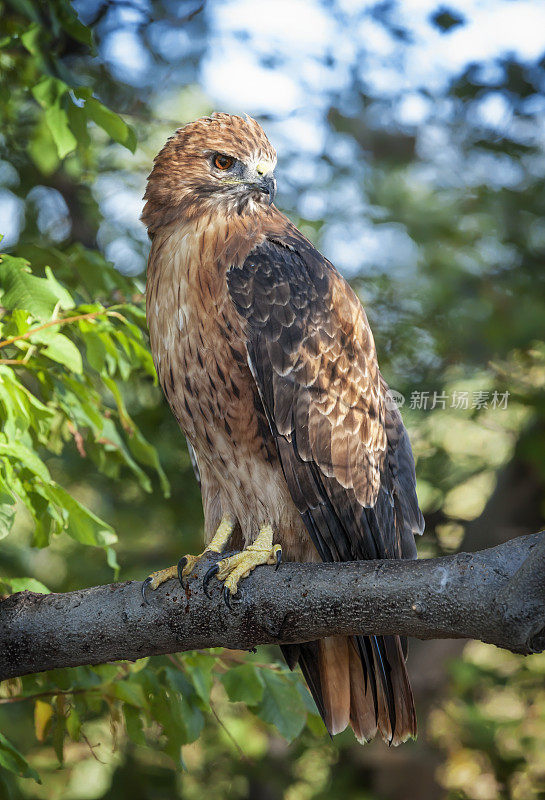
[(267, 185)]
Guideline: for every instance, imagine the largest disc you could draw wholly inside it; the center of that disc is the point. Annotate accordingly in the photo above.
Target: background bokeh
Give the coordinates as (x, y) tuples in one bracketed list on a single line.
[(411, 146)]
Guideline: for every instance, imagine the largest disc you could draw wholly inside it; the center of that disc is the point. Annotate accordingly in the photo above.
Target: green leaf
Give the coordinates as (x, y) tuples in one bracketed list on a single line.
[(7, 517), (77, 121), (95, 350), (27, 8), (12, 760), (191, 719), (59, 732), (73, 26), (42, 149), (7, 509), (50, 94), (59, 348), (133, 723), (26, 458), (81, 524), (57, 122), (79, 403), (43, 711), (64, 298), (22, 290), (22, 409), (73, 725), (31, 39), (282, 705), (243, 684), (111, 123), (112, 441), (168, 711), (48, 517), (126, 421), (130, 692), (25, 585), (148, 455), (178, 681), (306, 697), (111, 560), (199, 668)]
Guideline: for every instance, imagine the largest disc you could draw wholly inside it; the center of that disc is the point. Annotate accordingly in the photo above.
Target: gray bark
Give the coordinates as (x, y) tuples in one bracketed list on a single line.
[(495, 595)]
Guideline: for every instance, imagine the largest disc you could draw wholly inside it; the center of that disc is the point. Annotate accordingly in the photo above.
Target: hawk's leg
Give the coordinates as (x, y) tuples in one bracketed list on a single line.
[(232, 569), (217, 544), (187, 563)]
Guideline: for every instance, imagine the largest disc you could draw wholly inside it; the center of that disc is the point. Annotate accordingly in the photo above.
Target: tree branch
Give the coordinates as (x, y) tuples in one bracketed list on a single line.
[(496, 595)]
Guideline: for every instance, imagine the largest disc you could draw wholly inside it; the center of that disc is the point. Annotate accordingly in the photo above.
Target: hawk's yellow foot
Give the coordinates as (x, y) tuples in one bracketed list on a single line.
[(187, 563), (233, 569)]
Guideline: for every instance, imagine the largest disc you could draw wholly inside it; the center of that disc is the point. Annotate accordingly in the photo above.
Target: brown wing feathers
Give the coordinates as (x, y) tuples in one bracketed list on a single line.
[(336, 476), (312, 356)]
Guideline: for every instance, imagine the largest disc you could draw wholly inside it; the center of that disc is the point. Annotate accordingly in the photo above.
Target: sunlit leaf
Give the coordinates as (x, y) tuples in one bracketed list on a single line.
[(51, 93), (59, 348), (24, 585), (20, 289), (31, 39), (43, 712), (111, 123)]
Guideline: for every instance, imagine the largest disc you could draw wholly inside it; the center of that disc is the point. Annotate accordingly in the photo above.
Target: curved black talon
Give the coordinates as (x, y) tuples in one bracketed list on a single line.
[(227, 598), (181, 564), (214, 569), (145, 585), (278, 559)]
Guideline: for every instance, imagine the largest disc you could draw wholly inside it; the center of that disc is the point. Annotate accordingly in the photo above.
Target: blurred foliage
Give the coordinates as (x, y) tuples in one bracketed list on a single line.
[(440, 227), (492, 725)]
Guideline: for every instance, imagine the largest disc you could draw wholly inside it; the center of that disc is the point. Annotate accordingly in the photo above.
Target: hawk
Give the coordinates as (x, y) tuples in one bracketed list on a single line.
[(268, 363)]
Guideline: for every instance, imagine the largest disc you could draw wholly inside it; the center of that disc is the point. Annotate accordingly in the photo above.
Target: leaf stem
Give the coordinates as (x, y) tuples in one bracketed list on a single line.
[(52, 693), (60, 321)]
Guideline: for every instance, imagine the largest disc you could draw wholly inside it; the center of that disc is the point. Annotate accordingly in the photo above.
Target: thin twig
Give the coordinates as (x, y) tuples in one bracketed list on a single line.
[(241, 752), (62, 321), (51, 693), (91, 747)]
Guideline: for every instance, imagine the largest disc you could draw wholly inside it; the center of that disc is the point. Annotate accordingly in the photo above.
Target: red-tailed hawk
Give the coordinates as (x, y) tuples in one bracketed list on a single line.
[(267, 360)]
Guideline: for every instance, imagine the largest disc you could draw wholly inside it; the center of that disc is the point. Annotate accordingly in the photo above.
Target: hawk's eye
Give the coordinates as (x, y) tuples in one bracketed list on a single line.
[(222, 161)]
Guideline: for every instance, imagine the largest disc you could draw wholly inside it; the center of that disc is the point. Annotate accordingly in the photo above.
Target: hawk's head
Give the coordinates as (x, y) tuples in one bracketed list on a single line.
[(220, 163)]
